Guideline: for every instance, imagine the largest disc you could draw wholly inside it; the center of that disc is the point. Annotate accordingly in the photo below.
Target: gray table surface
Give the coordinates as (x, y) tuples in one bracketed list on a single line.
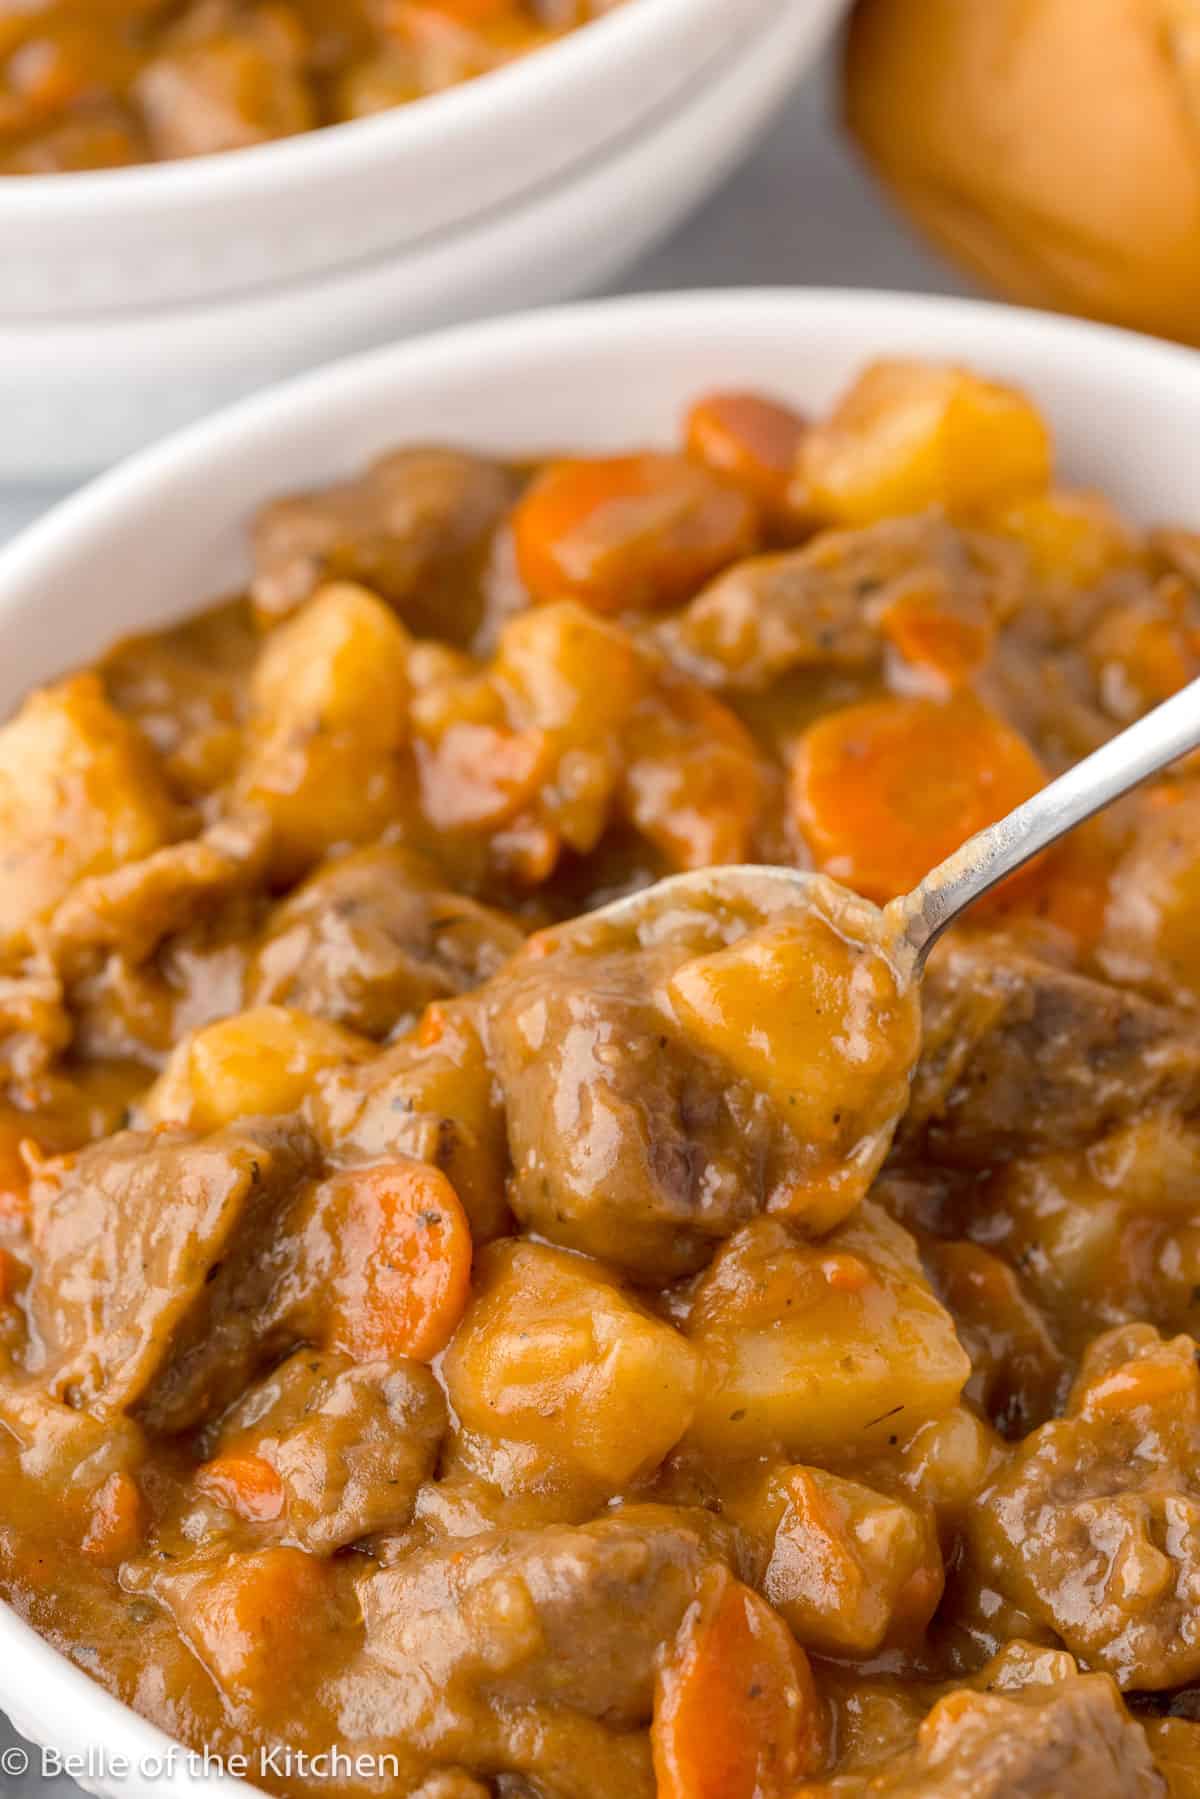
[(798, 212)]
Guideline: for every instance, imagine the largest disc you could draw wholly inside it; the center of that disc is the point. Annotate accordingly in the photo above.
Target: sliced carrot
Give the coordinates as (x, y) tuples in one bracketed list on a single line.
[(245, 1484), (629, 533), (752, 440), (935, 637), (736, 1715), (259, 1619), (115, 1526), (884, 791), (404, 1247)]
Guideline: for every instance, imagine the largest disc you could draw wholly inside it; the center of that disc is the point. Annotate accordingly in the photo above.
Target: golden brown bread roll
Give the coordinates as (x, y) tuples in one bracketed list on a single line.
[(1051, 146)]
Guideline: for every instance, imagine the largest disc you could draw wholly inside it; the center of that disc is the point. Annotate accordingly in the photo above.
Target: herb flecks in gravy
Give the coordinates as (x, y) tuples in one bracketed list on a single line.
[(660, 1361)]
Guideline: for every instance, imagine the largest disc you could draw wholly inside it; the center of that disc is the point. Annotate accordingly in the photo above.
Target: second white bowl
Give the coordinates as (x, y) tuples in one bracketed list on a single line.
[(178, 232)]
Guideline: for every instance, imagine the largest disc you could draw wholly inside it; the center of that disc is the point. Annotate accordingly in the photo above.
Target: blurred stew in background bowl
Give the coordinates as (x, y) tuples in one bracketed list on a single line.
[(91, 84)]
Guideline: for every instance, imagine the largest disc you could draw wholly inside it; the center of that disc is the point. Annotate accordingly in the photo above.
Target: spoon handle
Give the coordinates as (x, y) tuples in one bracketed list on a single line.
[(1150, 745)]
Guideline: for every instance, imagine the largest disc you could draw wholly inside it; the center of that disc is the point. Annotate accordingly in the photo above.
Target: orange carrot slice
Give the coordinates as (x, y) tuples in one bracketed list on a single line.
[(405, 1260), (736, 1715), (883, 791), (942, 640), (752, 440), (629, 533)]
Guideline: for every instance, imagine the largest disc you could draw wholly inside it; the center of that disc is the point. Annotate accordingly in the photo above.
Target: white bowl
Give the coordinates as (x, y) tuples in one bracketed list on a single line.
[(170, 232), (78, 396), (167, 531)]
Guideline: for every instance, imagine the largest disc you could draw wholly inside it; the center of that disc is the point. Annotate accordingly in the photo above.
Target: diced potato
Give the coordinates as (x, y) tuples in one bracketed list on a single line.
[(570, 672), (538, 734), (1072, 538), (576, 678), (554, 1354), (848, 1567), (331, 691), (819, 1021), (256, 1063), (948, 1462), (695, 783), (821, 1349), (322, 793), (80, 794), (910, 435), (342, 659)]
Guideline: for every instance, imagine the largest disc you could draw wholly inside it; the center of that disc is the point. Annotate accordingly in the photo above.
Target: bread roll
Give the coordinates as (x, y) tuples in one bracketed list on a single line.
[(1050, 146)]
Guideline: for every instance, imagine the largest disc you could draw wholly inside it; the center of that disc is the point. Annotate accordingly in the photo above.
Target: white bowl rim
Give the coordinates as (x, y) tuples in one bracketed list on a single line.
[(174, 459), (190, 327), (258, 170), (1155, 370)]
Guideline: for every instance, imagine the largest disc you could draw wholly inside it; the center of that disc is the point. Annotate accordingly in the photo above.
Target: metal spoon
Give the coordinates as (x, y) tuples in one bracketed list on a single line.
[(913, 923)]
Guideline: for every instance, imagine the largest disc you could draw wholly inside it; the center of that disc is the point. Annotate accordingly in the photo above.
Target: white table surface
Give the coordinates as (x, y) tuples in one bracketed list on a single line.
[(800, 211)]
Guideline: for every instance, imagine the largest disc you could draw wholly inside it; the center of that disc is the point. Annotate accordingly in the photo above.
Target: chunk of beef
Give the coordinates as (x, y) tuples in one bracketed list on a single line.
[(187, 688), (350, 1442), (1070, 1740), (1094, 1527), (431, 1096), (157, 947), (130, 910), (414, 528), (625, 1142), (820, 607), (411, 1661), (671, 1075), (147, 1247), (566, 1616), (1020, 1054), (368, 941), (1018, 1375)]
